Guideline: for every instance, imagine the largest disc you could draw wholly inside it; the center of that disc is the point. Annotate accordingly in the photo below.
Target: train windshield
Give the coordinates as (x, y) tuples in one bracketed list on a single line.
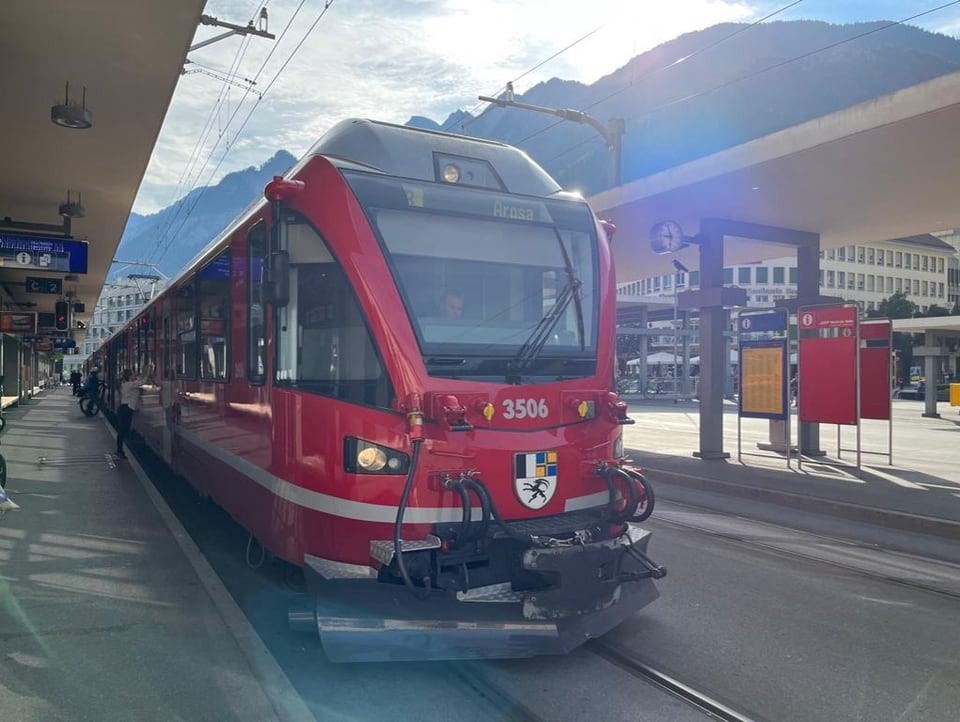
[(495, 285)]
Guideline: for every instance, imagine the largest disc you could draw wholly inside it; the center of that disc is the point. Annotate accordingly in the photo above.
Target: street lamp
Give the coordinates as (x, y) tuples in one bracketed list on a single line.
[(676, 331)]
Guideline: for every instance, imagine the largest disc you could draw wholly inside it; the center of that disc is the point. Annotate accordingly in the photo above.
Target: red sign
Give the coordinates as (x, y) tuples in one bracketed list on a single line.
[(875, 374), (15, 322), (828, 317), (827, 365)]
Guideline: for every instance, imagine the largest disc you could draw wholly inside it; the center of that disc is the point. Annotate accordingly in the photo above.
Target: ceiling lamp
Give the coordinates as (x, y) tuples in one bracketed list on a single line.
[(72, 116), (72, 209)]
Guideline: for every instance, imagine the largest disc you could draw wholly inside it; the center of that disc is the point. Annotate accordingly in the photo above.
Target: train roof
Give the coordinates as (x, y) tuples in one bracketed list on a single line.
[(407, 152)]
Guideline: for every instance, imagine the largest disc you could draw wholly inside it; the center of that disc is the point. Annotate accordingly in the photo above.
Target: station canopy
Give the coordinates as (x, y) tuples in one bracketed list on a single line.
[(880, 170), (122, 59)]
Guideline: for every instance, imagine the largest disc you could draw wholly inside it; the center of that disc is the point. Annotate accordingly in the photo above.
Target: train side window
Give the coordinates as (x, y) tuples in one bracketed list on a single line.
[(324, 344), (187, 331), (256, 318), (213, 292)]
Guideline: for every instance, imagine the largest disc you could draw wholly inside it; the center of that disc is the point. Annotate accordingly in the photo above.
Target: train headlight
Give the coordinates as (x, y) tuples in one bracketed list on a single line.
[(365, 457), (618, 446), (371, 459), (451, 174)]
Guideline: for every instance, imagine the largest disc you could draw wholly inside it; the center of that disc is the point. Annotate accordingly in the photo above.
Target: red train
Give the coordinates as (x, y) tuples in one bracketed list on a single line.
[(395, 372)]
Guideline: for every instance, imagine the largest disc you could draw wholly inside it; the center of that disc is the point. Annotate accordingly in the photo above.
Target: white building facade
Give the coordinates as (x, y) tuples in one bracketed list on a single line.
[(918, 267)]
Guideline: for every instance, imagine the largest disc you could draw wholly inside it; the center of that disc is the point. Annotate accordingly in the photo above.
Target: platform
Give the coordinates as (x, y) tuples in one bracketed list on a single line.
[(106, 610), (918, 493)]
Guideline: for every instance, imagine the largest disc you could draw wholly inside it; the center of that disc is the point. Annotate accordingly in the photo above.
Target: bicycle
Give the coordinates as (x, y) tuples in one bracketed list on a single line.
[(91, 403)]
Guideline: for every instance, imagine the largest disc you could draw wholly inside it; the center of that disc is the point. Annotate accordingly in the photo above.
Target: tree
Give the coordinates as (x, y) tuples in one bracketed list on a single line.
[(935, 310), (899, 306), (896, 306)]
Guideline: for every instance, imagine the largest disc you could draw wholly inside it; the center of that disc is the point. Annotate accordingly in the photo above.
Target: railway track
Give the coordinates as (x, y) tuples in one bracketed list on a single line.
[(864, 559), (699, 700)]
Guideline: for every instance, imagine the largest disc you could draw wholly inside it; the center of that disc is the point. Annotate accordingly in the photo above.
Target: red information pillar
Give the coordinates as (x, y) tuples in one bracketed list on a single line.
[(827, 364), (875, 373)]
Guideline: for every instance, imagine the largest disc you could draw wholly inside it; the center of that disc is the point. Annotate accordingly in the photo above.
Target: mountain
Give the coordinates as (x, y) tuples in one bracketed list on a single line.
[(184, 228), (687, 98), (678, 108)]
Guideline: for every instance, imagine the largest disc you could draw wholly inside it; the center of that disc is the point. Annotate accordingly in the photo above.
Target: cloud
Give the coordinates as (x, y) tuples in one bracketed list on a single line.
[(392, 60)]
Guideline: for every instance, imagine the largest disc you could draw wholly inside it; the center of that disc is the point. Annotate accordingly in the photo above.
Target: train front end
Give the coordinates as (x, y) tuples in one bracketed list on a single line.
[(516, 524)]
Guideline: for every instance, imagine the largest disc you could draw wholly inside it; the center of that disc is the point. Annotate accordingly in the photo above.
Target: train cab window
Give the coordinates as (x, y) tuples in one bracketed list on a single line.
[(214, 303), (256, 320), (324, 345), (187, 331)]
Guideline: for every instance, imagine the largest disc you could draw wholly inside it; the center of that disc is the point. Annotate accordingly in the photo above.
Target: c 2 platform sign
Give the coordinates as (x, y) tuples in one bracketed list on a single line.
[(35, 284)]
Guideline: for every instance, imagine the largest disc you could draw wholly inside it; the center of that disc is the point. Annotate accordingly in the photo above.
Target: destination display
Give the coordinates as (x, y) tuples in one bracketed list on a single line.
[(43, 253)]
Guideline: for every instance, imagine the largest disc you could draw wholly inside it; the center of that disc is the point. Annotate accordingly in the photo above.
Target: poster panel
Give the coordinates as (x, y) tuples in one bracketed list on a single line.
[(827, 365), (763, 379), (16, 322), (875, 370)]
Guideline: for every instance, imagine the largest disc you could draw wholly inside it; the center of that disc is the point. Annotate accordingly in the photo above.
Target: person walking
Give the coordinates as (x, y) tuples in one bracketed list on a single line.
[(130, 387)]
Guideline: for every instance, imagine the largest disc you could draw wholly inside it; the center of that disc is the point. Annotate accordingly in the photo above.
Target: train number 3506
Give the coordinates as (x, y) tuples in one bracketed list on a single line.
[(525, 409)]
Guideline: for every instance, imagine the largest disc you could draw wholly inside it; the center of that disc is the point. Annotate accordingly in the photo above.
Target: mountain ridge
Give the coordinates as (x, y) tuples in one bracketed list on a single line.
[(689, 97)]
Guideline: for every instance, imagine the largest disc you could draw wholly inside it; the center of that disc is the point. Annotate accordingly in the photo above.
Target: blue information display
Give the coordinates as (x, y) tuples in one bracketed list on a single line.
[(765, 322), (42, 253)]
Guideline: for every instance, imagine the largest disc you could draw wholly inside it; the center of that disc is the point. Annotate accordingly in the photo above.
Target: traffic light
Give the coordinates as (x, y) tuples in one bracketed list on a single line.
[(61, 316)]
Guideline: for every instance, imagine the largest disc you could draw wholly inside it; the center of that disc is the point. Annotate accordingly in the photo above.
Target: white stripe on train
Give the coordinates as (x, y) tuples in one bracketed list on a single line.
[(347, 508)]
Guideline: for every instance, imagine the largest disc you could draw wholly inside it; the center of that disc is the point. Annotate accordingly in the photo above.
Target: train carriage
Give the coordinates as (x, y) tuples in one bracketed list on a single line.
[(395, 371)]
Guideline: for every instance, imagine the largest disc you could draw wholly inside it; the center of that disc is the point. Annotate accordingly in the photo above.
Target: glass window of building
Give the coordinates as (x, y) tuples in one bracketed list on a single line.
[(727, 276), (924, 289), (860, 254), (879, 258), (870, 256), (916, 261), (841, 279), (889, 258), (899, 261), (889, 284), (778, 273), (851, 253), (916, 287), (899, 285), (667, 282), (762, 274), (831, 279), (743, 275), (870, 283), (939, 265), (841, 254), (906, 260), (859, 281), (821, 277), (831, 254), (656, 283), (694, 278), (793, 274), (926, 263), (940, 290)]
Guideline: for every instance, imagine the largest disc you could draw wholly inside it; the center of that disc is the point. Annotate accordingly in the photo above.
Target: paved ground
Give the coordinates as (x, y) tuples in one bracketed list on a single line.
[(102, 614)]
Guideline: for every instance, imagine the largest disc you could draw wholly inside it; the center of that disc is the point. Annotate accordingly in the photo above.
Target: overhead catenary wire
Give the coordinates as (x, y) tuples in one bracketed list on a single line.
[(678, 61), (747, 76), (524, 74), (160, 249), (208, 123)]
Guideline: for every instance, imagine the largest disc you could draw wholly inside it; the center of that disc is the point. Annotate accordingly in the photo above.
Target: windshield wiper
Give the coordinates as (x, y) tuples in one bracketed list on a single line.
[(541, 334)]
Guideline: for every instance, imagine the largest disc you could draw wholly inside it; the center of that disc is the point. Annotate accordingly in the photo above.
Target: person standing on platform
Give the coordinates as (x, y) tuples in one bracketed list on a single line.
[(130, 387)]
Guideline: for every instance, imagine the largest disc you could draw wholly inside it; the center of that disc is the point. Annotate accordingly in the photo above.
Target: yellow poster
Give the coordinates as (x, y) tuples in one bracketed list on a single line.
[(762, 380)]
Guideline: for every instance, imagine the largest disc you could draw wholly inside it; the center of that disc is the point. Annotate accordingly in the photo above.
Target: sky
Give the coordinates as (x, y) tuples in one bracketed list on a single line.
[(392, 59)]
